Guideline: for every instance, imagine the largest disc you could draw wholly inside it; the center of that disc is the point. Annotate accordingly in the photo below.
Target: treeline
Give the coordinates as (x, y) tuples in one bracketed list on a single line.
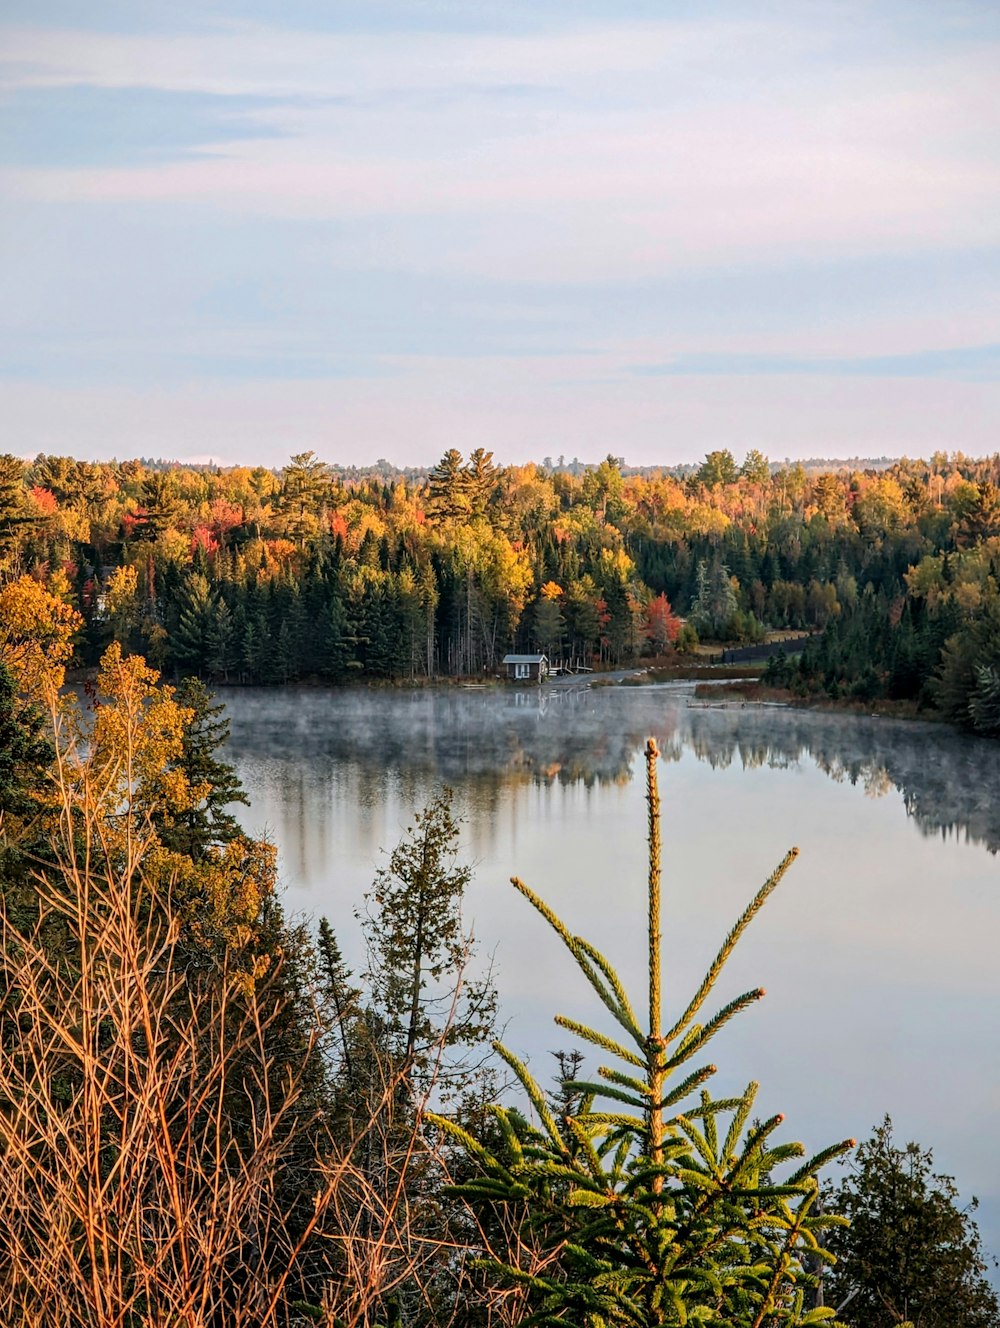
[(934, 641), (261, 577)]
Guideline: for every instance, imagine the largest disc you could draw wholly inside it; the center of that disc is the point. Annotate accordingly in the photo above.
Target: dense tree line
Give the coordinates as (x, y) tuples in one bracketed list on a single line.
[(321, 573)]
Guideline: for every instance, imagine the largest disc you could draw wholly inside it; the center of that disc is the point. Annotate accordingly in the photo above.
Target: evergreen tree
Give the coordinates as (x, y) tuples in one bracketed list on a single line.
[(159, 501), (342, 997), (719, 467), (305, 486), (715, 601), (481, 478), (25, 756), (548, 626), (195, 621), (220, 641), (335, 642), (910, 1253), (756, 468), (207, 823), (984, 704), (448, 488), (419, 953), (25, 751), (641, 1211), (14, 514)]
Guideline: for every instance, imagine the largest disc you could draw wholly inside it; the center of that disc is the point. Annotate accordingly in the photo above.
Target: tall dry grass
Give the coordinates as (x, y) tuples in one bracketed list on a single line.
[(147, 1135)]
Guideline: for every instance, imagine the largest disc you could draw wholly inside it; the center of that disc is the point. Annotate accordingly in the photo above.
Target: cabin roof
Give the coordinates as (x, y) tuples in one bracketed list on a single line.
[(524, 659)]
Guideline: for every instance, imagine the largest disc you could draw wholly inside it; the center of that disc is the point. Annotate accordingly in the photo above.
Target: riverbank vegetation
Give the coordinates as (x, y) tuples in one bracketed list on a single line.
[(320, 573)]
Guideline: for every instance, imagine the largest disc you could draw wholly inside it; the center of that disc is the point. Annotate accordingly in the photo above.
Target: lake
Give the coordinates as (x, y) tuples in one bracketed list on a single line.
[(879, 951)]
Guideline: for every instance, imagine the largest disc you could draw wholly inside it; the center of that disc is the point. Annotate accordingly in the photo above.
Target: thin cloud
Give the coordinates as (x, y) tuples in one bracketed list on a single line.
[(970, 363), (679, 233)]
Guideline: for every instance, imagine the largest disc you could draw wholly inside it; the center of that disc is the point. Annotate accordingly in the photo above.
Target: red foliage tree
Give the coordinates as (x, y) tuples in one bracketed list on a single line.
[(662, 624)]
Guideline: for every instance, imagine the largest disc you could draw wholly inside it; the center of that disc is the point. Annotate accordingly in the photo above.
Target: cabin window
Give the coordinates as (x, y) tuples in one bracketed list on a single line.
[(522, 670)]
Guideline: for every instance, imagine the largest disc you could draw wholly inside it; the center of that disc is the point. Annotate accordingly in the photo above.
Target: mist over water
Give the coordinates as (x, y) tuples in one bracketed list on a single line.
[(879, 951)]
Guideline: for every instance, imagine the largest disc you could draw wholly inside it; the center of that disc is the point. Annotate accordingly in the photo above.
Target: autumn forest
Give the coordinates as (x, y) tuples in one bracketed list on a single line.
[(320, 573)]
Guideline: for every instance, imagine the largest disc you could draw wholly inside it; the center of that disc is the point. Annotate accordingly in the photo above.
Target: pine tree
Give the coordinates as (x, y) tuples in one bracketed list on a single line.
[(448, 488), (25, 755), (419, 953), (642, 1211), (220, 641), (25, 752), (719, 467), (481, 480), (207, 823), (334, 642), (306, 482), (715, 601), (160, 504), (756, 468), (196, 613), (548, 626), (14, 513), (984, 704), (342, 997)]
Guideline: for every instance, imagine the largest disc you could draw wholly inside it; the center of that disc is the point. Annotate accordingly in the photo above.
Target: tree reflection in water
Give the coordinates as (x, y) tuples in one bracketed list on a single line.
[(485, 741)]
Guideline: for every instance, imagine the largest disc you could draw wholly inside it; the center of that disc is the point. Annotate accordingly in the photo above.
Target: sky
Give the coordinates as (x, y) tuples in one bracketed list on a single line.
[(384, 228)]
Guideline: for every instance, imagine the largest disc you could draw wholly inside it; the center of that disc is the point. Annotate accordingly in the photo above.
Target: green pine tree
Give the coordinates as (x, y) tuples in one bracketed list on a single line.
[(209, 823), (648, 1205), (448, 488), (196, 614), (548, 626), (984, 703), (14, 513), (420, 953), (25, 756), (25, 751), (481, 478), (220, 641)]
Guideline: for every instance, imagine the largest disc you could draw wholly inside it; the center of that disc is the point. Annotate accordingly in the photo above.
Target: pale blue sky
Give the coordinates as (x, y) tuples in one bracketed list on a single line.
[(235, 230)]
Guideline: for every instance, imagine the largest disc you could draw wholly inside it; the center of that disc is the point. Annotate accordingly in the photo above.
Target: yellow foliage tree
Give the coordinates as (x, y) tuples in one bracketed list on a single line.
[(131, 767), (36, 637)]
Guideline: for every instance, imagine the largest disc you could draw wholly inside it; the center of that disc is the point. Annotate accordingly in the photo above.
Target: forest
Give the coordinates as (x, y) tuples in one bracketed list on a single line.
[(329, 574)]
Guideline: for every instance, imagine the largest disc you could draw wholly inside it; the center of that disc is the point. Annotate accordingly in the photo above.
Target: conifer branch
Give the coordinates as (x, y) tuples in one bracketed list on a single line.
[(740, 1119), (746, 917), (706, 1033), (616, 986), (615, 1000), (535, 1094), (625, 1080), (598, 1039)]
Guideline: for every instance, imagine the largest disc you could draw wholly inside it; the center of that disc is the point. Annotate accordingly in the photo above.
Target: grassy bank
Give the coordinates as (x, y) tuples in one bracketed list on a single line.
[(752, 691)]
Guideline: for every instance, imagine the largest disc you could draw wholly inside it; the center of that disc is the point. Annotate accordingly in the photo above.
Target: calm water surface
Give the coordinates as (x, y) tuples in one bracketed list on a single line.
[(879, 952)]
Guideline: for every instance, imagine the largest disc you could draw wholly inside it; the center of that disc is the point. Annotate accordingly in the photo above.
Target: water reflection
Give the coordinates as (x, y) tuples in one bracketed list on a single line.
[(879, 957), (486, 742)]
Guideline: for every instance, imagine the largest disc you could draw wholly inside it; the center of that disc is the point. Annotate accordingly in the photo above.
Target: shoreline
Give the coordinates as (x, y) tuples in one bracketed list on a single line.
[(728, 685), (752, 692)]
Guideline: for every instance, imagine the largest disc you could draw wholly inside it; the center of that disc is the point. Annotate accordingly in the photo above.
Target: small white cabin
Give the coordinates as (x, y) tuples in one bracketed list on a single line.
[(525, 668)]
